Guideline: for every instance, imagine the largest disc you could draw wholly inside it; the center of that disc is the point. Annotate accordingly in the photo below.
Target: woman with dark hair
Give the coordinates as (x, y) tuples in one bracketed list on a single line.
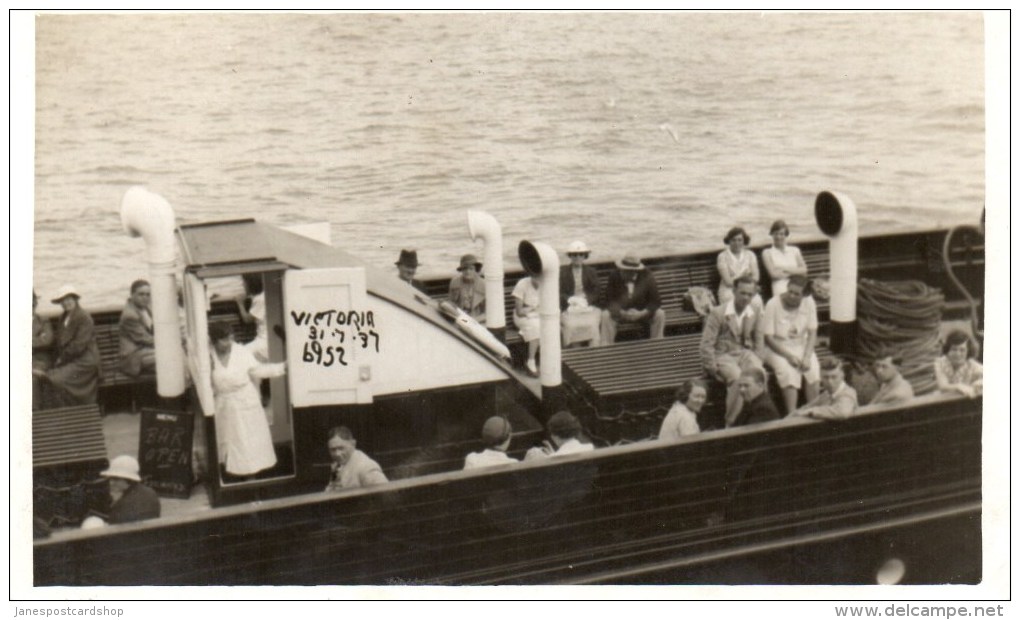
[(682, 418), (242, 431), (75, 370), (957, 370), (734, 262), (253, 288), (782, 260)]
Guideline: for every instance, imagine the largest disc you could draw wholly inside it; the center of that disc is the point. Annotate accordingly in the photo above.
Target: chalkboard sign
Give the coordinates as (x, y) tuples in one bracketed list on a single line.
[(164, 451)]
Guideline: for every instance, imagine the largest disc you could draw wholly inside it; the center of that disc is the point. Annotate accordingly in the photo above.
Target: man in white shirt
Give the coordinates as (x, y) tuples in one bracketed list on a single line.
[(496, 434)]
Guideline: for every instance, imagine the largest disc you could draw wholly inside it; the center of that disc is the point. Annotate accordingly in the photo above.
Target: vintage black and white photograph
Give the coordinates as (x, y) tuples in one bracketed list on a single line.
[(603, 298)]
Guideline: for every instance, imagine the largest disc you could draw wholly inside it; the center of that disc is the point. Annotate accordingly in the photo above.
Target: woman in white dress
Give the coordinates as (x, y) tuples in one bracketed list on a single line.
[(782, 260), (734, 262), (526, 300), (242, 430)]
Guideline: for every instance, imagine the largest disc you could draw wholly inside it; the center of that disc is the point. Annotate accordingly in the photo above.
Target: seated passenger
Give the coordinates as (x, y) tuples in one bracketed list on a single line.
[(728, 344), (132, 500), (137, 347), (782, 260), (75, 370), (682, 418), (526, 301), (735, 262), (42, 356), (789, 328), (564, 431), (957, 370), (496, 434), (467, 290), (632, 296), (758, 405), (837, 401), (893, 389), (351, 467), (579, 298), (407, 266)]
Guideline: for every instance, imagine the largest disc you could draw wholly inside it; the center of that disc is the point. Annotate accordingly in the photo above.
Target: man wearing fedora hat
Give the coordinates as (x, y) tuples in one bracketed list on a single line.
[(132, 500), (632, 297), (467, 289), (580, 298), (407, 266)]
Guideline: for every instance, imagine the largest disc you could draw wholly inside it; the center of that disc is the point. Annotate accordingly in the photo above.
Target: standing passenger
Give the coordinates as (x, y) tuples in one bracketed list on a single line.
[(351, 467), (254, 290), (782, 260), (137, 347), (75, 371), (242, 431), (496, 434)]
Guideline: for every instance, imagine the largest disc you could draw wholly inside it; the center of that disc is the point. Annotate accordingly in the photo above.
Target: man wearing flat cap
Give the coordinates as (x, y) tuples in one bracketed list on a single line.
[(496, 434), (632, 297), (407, 266), (467, 290)]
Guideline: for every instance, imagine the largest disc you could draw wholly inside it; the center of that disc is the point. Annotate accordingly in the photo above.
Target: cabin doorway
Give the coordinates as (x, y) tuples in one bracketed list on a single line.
[(247, 304)]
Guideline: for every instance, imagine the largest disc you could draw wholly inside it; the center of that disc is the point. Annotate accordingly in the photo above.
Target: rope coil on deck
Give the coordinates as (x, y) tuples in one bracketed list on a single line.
[(904, 316)]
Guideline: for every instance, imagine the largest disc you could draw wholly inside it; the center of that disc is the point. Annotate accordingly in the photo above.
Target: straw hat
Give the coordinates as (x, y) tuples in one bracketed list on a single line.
[(123, 466), (65, 291), (578, 247), (630, 262)]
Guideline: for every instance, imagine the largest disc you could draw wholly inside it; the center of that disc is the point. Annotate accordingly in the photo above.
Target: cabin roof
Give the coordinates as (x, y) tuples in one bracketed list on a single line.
[(240, 246)]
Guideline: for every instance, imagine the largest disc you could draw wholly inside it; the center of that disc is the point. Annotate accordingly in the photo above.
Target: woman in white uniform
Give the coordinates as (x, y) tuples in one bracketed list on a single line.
[(242, 430)]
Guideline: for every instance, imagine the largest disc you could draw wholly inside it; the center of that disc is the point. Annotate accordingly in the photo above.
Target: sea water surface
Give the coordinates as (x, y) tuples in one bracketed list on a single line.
[(646, 132)]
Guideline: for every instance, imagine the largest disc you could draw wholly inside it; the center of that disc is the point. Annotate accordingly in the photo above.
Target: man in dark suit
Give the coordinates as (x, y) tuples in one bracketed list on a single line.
[(580, 298), (758, 405), (137, 347), (632, 297)]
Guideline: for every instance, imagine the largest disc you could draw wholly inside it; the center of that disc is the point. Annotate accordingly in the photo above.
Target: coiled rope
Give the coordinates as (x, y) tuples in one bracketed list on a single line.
[(905, 317)]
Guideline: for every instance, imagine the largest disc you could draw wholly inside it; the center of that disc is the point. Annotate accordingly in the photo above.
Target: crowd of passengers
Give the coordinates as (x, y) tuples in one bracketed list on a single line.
[(742, 335)]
